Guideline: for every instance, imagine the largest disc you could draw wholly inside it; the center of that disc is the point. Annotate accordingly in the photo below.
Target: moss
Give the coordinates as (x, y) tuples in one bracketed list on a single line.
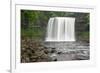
[(35, 33), (84, 36)]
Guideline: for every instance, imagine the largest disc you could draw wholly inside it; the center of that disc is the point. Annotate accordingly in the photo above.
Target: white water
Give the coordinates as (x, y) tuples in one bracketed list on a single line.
[(61, 29)]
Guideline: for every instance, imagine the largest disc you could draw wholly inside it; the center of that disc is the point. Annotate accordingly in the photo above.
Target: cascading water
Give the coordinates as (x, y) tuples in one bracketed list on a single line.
[(60, 39), (61, 29)]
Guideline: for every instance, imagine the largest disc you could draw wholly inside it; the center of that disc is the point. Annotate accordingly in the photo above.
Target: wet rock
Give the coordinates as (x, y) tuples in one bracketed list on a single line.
[(46, 51), (53, 51), (33, 51), (39, 53), (53, 48), (34, 56), (55, 60), (59, 52), (27, 59), (82, 57), (44, 47), (23, 49), (23, 60), (33, 59)]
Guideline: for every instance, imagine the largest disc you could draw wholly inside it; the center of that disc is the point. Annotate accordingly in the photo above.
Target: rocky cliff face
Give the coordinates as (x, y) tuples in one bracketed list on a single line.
[(82, 27)]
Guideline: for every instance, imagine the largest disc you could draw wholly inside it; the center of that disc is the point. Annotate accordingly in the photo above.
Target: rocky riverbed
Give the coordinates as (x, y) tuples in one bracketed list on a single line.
[(63, 51), (37, 51)]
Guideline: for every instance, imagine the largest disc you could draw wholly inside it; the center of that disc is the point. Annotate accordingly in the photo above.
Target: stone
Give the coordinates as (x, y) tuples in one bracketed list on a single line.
[(27, 59), (39, 53), (44, 56), (23, 49), (53, 51), (46, 51), (59, 52), (55, 59), (53, 48), (34, 56)]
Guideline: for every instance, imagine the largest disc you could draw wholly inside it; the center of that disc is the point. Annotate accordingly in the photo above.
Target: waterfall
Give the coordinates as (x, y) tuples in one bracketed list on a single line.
[(60, 29)]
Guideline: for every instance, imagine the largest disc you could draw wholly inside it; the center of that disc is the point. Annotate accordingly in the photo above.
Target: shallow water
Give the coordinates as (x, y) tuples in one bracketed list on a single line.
[(65, 51)]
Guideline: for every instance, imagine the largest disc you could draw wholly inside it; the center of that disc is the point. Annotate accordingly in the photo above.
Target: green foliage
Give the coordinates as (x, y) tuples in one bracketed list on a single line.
[(32, 33), (84, 36), (34, 23)]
